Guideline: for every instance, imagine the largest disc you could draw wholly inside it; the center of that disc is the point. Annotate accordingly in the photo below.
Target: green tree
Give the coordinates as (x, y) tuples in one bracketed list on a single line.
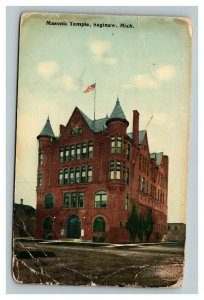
[(132, 224), (141, 228), (149, 225)]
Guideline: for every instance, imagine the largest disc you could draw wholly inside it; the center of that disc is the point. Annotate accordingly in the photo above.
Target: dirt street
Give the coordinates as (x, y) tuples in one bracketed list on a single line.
[(98, 265)]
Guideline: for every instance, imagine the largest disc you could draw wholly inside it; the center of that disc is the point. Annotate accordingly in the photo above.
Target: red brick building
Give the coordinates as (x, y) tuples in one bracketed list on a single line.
[(90, 176)]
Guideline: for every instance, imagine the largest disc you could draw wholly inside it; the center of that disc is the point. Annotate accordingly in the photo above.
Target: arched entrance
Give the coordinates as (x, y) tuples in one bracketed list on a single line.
[(73, 227), (99, 229)]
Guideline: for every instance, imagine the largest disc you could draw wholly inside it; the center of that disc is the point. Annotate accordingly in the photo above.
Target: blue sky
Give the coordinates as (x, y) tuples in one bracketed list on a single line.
[(148, 66)]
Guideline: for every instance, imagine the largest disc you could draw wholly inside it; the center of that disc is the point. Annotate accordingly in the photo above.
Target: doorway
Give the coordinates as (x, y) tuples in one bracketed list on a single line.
[(73, 227)]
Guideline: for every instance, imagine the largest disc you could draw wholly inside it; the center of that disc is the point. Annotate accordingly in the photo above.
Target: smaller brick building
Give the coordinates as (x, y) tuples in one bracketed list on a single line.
[(23, 220), (92, 173), (176, 232)]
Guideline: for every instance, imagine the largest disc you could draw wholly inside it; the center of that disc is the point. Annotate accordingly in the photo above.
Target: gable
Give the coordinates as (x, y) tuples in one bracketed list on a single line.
[(144, 144), (77, 124)]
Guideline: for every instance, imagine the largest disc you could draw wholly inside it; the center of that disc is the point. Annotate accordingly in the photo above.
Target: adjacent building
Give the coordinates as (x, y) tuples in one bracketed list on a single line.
[(23, 220), (92, 173), (176, 232)]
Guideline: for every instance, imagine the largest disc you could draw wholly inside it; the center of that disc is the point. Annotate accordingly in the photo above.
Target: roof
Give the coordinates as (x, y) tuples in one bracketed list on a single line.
[(157, 156), (47, 130), (97, 125), (141, 136), (117, 111), (29, 210)]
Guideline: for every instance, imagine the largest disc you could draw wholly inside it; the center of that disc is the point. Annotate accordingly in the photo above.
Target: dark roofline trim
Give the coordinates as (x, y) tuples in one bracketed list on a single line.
[(117, 119)]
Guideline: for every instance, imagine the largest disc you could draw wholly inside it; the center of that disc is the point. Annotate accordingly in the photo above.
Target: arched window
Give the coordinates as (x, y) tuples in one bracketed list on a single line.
[(49, 201), (99, 225), (47, 224), (60, 177), (100, 199)]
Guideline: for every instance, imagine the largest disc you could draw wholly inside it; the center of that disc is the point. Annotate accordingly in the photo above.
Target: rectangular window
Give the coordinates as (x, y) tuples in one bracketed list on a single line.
[(128, 176), (90, 149), (116, 144), (40, 157), (61, 154), (66, 200), (83, 174), (118, 169), (77, 175), (71, 176), (115, 169), (112, 164), (39, 179), (89, 174), (74, 200), (113, 144), (80, 200), (128, 151), (143, 184), (73, 155), (60, 177), (126, 201), (67, 153), (78, 151), (84, 150), (119, 144), (66, 176)]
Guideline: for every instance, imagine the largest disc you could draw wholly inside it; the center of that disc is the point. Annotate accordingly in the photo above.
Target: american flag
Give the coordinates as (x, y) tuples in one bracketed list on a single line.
[(90, 88)]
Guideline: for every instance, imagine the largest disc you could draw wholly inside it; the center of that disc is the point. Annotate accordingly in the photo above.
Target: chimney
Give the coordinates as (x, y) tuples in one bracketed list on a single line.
[(21, 201), (135, 126)]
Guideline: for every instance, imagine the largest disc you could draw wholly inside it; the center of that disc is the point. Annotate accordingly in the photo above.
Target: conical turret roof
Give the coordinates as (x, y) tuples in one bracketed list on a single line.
[(47, 130), (117, 112)]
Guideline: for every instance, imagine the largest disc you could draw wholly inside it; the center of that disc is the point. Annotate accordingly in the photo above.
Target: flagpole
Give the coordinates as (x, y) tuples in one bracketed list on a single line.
[(95, 102)]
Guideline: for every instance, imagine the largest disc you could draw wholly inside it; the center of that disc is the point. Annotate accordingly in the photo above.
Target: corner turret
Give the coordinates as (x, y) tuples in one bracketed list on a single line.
[(47, 130), (117, 120)]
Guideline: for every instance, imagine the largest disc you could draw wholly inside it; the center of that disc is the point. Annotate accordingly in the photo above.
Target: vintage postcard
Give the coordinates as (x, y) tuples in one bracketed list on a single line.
[(102, 150)]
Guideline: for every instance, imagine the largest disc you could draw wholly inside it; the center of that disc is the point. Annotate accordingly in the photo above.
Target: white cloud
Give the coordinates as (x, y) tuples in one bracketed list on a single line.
[(99, 47), (67, 82), (152, 80), (47, 68), (140, 82), (144, 81), (165, 72)]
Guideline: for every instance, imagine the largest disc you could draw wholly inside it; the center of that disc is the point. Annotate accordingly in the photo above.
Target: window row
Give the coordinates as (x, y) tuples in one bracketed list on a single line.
[(117, 170), (116, 146), (146, 168), (39, 179), (144, 165), (99, 224), (76, 200), (73, 200), (76, 152), (75, 175), (150, 189), (161, 180), (40, 157)]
